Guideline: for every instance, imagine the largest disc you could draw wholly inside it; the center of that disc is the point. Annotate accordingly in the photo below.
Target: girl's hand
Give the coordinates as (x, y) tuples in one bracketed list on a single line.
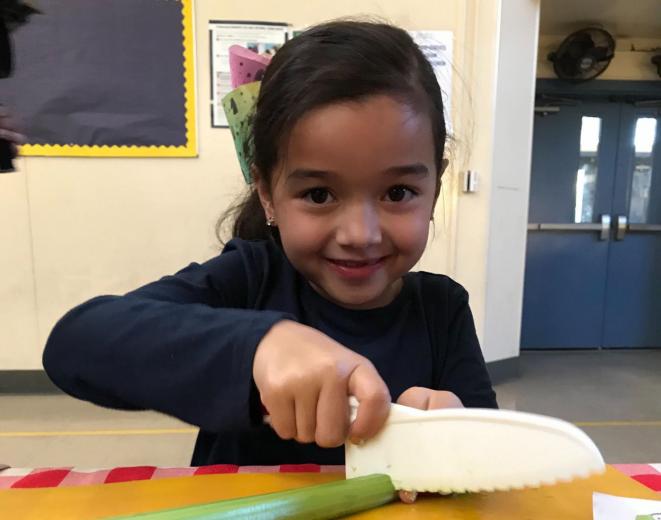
[(8, 131), (304, 379), (425, 399)]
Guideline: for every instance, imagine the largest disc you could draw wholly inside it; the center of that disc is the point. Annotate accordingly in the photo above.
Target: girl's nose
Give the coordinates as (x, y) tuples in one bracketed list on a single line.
[(359, 226)]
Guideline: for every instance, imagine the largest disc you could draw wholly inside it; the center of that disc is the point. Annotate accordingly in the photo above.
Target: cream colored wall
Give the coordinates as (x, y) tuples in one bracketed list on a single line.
[(626, 65), (18, 313), (501, 43), (476, 109), (80, 227)]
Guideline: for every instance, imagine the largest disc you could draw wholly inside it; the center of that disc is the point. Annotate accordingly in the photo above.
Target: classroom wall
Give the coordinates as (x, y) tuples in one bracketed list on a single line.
[(79, 227), (627, 64)]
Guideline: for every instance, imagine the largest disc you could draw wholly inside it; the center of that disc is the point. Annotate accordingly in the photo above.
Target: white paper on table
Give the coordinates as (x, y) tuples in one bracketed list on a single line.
[(610, 507)]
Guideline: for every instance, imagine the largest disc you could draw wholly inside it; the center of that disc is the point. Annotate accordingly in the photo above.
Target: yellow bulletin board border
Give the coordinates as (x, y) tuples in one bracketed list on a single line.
[(188, 150)]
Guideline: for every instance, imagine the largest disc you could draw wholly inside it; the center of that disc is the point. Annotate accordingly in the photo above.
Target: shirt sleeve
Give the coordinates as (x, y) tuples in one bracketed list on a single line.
[(464, 371), (181, 345)]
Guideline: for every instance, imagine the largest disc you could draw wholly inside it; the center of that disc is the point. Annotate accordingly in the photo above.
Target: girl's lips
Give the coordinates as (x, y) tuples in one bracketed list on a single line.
[(356, 269)]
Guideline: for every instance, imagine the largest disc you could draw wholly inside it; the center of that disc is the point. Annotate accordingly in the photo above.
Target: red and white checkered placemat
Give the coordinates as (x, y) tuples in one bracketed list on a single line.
[(60, 477), (647, 474)]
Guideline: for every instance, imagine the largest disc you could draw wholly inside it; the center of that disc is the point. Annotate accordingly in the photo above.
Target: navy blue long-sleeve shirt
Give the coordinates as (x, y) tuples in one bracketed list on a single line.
[(184, 346)]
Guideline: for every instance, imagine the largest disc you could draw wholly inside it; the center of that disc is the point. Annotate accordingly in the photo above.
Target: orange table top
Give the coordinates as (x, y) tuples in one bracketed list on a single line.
[(563, 501)]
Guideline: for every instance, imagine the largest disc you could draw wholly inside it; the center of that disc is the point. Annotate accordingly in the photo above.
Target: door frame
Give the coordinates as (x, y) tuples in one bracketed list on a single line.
[(620, 90)]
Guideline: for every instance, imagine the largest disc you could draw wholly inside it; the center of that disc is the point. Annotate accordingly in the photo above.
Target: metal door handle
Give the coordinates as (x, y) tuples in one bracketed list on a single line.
[(644, 228), (621, 230), (534, 226), (605, 227)]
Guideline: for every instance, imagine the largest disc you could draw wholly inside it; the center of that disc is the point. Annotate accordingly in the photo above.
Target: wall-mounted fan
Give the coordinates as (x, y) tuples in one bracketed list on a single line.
[(583, 55)]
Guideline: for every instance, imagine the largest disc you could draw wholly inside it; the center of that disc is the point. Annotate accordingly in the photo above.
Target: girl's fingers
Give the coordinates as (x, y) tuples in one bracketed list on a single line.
[(415, 397), (283, 417), (8, 129), (12, 137), (444, 399), (408, 497), (306, 416), (428, 399), (374, 402), (332, 415)]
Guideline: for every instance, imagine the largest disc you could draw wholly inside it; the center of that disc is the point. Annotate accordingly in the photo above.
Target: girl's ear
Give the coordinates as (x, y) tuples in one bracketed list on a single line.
[(264, 193)]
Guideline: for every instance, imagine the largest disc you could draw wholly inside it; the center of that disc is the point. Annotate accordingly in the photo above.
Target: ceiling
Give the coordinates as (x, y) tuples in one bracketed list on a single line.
[(623, 18)]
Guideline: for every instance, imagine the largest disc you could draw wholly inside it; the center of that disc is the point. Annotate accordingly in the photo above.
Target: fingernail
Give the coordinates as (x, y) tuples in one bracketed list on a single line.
[(357, 441)]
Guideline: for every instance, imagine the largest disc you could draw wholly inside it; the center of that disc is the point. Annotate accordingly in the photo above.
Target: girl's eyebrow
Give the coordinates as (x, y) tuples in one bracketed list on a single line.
[(305, 173), (405, 169), (408, 169)]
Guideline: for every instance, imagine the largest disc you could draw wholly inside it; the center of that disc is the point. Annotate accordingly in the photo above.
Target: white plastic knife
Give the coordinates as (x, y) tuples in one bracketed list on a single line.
[(469, 450)]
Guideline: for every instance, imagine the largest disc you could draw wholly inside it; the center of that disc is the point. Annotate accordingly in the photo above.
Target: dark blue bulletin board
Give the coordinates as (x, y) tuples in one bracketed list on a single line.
[(105, 78)]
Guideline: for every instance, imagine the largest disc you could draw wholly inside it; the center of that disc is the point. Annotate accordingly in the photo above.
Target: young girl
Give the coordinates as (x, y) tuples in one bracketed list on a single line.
[(312, 301)]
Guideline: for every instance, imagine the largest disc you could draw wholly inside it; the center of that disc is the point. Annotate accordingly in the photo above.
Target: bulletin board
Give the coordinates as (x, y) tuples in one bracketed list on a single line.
[(105, 79)]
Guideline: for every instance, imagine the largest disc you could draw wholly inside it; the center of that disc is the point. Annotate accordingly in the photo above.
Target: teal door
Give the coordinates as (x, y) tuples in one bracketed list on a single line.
[(593, 264)]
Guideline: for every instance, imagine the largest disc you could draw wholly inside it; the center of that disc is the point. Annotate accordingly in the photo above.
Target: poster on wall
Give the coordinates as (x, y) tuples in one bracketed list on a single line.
[(267, 37), (437, 47), (105, 79), (261, 37)]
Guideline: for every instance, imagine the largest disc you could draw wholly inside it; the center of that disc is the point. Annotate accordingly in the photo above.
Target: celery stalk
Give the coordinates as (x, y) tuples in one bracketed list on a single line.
[(323, 501)]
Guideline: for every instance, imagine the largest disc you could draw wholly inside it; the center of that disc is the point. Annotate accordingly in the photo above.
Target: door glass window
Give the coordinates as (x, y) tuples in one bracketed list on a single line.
[(641, 180), (586, 176)]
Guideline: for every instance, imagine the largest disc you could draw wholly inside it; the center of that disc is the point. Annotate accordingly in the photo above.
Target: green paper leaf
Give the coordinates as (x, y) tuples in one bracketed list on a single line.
[(239, 107)]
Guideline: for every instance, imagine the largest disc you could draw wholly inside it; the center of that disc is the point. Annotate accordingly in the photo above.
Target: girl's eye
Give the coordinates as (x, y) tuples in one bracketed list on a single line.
[(318, 195), (400, 193)]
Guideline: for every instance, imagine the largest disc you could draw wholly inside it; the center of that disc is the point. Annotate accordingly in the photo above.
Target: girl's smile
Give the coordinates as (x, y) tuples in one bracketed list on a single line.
[(357, 270), (353, 196)]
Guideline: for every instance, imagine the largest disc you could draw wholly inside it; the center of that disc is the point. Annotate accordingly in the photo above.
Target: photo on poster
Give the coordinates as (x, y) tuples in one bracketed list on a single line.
[(261, 37)]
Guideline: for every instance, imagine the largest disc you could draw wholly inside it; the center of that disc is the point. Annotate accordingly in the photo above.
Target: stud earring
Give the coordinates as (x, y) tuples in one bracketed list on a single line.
[(270, 221)]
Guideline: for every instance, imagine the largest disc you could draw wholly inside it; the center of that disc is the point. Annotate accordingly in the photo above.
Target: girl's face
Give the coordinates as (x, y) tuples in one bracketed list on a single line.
[(353, 198)]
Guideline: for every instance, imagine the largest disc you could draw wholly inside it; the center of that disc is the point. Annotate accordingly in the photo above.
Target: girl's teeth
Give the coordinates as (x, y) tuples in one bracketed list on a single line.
[(347, 263)]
